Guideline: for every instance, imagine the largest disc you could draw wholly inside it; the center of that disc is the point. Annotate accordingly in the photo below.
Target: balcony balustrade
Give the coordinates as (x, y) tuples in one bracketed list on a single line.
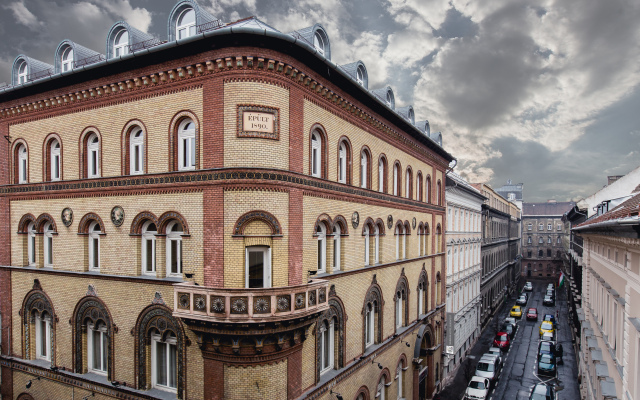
[(219, 305)]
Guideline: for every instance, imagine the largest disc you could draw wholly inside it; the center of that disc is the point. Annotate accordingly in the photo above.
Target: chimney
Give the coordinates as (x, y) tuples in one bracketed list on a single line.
[(613, 178), (552, 201)]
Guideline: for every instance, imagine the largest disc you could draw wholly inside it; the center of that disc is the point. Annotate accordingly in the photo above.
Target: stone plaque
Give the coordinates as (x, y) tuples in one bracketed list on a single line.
[(117, 215), (259, 122)]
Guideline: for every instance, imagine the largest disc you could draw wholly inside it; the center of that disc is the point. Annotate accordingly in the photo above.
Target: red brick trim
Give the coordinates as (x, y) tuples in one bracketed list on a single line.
[(83, 225), (364, 391), (25, 396), (429, 192), (399, 175), (213, 236), (119, 278), (213, 377), (369, 222), (324, 219), (409, 172), (140, 219), (342, 223), (294, 374), (296, 130), (24, 222), (258, 215), (169, 216), (387, 375), (296, 232), (44, 218), (420, 192), (46, 157), (125, 141)]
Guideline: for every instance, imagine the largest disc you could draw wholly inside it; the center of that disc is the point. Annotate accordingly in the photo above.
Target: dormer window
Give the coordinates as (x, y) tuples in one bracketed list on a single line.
[(360, 75), (22, 73), (67, 59), (186, 25), (120, 43), (389, 99), (318, 43)]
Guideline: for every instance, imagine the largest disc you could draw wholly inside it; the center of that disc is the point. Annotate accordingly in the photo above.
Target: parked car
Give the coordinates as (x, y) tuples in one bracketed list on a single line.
[(546, 347), (497, 352), (516, 312), (501, 340), (550, 293), (549, 317), (510, 320), (548, 301), (543, 392), (532, 314), (510, 329), (478, 388), (546, 326), (489, 367), (548, 336), (547, 365), (522, 300), (528, 286)]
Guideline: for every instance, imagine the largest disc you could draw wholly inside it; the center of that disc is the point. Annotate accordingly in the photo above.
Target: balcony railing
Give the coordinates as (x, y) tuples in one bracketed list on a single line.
[(250, 305)]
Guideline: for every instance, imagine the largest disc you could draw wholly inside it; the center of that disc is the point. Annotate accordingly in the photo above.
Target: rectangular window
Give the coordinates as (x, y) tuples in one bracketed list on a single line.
[(94, 163), (56, 167), (49, 255), (164, 363), (95, 256), (258, 267), (150, 255), (43, 338), (175, 256)]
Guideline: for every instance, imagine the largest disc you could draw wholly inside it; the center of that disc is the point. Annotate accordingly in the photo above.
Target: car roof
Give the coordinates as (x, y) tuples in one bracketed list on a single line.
[(540, 388), (549, 342), (549, 315), (488, 357), (478, 378)]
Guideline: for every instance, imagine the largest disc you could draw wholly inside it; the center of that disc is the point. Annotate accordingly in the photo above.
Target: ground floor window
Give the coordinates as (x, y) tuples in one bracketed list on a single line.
[(164, 355)]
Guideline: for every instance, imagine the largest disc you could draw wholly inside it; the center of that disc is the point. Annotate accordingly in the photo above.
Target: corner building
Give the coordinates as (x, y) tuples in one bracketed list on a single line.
[(226, 215)]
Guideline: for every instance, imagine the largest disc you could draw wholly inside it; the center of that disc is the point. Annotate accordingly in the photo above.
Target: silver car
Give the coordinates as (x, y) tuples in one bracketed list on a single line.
[(489, 367)]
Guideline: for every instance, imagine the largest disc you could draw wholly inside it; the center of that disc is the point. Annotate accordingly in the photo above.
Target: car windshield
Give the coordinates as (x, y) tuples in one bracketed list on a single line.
[(532, 311), (546, 359), (485, 366), (477, 385), (502, 338), (545, 347), (547, 325), (515, 309)]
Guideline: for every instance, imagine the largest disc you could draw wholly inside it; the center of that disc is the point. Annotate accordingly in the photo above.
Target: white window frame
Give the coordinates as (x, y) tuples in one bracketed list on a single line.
[(102, 329), (367, 244), (187, 145), (316, 155), (148, 238), (364, 165), (66, 59), (549, 227), (136, 149), (336, 248), (22, 164), (55, 160), (156, 341), (376, 245), (381, 390), (369, 320), (407, 184), (23, 72), (266, 265), (321, 232), (418, 188), (318, 42), (399, 378), (388, 99), (327, 334), (360, 75), (93, 156), (189, 28), (121, 43), (94, 245), (47, 338), (48, 245), (421, 301), (395, 179), (31, 244), (399, 310), (404, 244), (342, 163), (174, 236), (380, 175), (397, 234)]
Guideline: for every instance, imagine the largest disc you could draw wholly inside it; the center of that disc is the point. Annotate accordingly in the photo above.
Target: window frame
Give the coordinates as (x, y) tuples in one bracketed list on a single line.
[(321, 237), (47, 231), (93, 155), (23, 72), (93, 238), (47, 339), (397, 184), (66, 59), (342, 162), (120, 48), (136, 148), (104, 354), (319, 43), (174, 236), (369, 319), (337, 256), (316, 154), (327, 334), (31, 244), (23, 163), (55, 160), (156, 340), (382, 174), (186, 27), (367, 245), (266, 266), (187, 137), (146, 236), (365, 163)]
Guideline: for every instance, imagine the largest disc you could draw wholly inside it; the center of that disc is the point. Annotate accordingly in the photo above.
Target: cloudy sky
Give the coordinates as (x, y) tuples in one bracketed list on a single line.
[(537, 91)]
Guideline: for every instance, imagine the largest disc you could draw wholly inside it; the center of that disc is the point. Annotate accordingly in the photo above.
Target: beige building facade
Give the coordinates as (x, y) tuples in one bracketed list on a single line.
[(212, 219)]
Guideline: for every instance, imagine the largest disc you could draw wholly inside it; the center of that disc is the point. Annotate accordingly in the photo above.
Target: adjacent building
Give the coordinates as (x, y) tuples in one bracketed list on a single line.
[(543, 238), (226, 214), (610, 320), (500, 250), (512, 192), (464, 270)]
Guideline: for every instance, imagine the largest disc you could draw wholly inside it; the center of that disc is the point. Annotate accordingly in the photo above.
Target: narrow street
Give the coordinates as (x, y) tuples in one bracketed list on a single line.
[(518, 376)]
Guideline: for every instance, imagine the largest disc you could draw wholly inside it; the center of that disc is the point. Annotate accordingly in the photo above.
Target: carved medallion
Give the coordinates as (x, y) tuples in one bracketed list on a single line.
[(355, 219), (389, 221), (413, 223), (67, 216), (117, 215)]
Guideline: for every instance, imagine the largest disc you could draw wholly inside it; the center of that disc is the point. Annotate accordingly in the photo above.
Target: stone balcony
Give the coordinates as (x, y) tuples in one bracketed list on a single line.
[(246, 306)]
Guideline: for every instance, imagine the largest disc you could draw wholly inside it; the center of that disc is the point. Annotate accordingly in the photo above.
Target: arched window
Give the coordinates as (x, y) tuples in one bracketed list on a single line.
[(321, 233), (174, 248), (43, 336), (48, 244), (360, 75), (55, 160), (342, 163), (136, 151), (422, 293), (376, 250), (22, 163), (67, 59), (382, 175), (121, 43), (148, 251), (409, 180), (438, 239), (97, 347), (439, 194), (316, 154), (419, 186), (319, 42), (31, 244), (398, 233), (400, 378), (369, 320), (401, 302), (327, 344), (93, 156), (23, 71), (438, 289), (94, 246), (186, 145), (336, 247), (364, 169), (388, 98), (186, 24), (367, 244), (427, 186), (396, 179), (381, 392)]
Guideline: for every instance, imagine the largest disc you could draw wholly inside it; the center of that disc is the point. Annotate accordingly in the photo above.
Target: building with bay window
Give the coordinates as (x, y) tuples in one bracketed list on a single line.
[(202, 218)]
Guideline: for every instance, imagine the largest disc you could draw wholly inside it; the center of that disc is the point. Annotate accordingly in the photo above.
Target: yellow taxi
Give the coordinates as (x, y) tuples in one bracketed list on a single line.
[(547, 326), (516, 312)]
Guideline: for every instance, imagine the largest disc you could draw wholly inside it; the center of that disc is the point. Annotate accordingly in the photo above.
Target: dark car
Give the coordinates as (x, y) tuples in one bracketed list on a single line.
[(548, 301), (546, 347), (547, 365), (532, 314), (502, 341), (510, 329), (543, 392), (549, 317)]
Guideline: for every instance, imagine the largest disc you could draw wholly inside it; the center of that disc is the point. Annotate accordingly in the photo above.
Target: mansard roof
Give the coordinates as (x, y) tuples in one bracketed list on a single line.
[(352, 70), (35, 68), (80, 54), (203, 17), (136, 37)]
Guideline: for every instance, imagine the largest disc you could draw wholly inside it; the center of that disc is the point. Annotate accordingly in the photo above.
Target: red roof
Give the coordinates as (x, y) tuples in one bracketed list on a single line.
[(627, 209)]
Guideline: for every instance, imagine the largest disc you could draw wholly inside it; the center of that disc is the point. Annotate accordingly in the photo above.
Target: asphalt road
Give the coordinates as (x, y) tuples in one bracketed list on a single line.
[(519, 376)]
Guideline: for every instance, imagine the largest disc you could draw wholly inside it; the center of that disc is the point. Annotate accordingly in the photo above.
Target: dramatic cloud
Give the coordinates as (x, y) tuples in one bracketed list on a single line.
[(543, 92)]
